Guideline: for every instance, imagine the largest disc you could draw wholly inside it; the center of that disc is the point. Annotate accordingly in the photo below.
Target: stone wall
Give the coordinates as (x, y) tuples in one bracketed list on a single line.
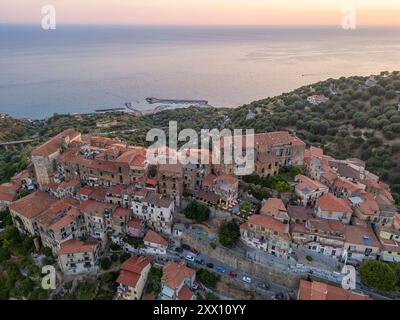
[(236, 261)]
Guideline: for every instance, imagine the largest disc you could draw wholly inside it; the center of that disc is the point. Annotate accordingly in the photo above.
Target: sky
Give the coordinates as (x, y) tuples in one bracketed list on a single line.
[(203, 12)]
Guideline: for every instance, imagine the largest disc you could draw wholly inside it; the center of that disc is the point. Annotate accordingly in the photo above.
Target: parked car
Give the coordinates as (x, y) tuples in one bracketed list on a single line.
[(210, 265), (186, 247), (221, 269), (189, 258), (265, 286), (179, 249), (232, 274), (193, 250), (199, 261), (246, 279)]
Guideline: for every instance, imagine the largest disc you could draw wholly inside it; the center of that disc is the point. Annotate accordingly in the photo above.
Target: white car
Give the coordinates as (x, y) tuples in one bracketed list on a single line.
[(190, 258), (246, 279)]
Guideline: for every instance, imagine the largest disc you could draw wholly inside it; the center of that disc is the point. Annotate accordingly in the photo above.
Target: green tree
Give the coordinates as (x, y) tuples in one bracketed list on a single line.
[(229, 233), (197, 211), (378, 275), (207, 278), (105, 263)]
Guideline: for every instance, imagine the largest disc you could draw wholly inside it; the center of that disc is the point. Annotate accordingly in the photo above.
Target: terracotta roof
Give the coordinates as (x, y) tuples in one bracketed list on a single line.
[(171, 168), (151, 181), (273, 206), (329, 176), (329, 202), (85, 191), (33, 204), (321, 291), (327, 226), (369, 206), (154, 237), (228, 179), (268, 138), (136, 264), (206, 196), (117, 189), (8, 191), (96, 208), (209, 180), (134, 223), (76, 246), (316, 152), (132, 269), (69, 184), (268, 222), (342, 183), (134, 156), (20, 176), (55, 211), (299, 212), (51, 146), (157, 199), (121, 212), (175, 273), (98, 194), (108, 166), (307, 185), (362, 236), (185, 293), (66, 220)]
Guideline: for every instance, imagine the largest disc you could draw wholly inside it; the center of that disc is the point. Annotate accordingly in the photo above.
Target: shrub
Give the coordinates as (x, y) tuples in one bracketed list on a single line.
[(114, 257), (197, 211), (213, 245), (378, 275), (229, 233), (105, 263), (207, 278), (309, 258)]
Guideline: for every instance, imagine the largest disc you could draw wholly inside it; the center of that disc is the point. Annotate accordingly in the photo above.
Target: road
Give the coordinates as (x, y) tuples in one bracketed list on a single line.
[(256, 282)]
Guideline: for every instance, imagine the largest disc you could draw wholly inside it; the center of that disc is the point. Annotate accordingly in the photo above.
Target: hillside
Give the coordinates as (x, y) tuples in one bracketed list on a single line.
[(361, 118)]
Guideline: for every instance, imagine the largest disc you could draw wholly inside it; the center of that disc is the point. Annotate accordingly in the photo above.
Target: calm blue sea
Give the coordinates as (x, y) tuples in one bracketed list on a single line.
[(81, 68)]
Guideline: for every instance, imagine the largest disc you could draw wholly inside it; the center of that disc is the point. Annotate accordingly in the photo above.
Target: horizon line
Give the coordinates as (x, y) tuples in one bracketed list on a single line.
[(197, 25)]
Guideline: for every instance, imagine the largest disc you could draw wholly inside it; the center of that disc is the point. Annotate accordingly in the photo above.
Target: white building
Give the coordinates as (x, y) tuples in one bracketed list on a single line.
[(77, 257), (155, 209)]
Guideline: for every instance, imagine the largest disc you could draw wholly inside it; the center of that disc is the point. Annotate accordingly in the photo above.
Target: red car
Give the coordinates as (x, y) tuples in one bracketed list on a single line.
[(232, 274), (193, 250)]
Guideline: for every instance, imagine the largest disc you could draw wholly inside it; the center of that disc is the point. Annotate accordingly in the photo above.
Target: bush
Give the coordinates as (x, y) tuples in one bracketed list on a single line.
[(115, 247), (309, 258), (378, 275), (229, 233), (213, 245), (105, 263), (114, 257), (197, 211), (134, 241), (207, 278), (124, 256), (154, 280)]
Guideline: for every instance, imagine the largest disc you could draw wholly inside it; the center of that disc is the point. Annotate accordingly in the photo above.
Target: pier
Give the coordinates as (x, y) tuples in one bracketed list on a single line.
[(176, 101)]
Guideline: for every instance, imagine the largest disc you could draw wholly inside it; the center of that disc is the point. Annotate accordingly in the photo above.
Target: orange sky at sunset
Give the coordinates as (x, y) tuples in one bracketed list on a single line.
[(203, 12)]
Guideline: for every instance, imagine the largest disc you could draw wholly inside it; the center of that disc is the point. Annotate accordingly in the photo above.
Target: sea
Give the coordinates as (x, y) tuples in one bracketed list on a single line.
[(78, 69)]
